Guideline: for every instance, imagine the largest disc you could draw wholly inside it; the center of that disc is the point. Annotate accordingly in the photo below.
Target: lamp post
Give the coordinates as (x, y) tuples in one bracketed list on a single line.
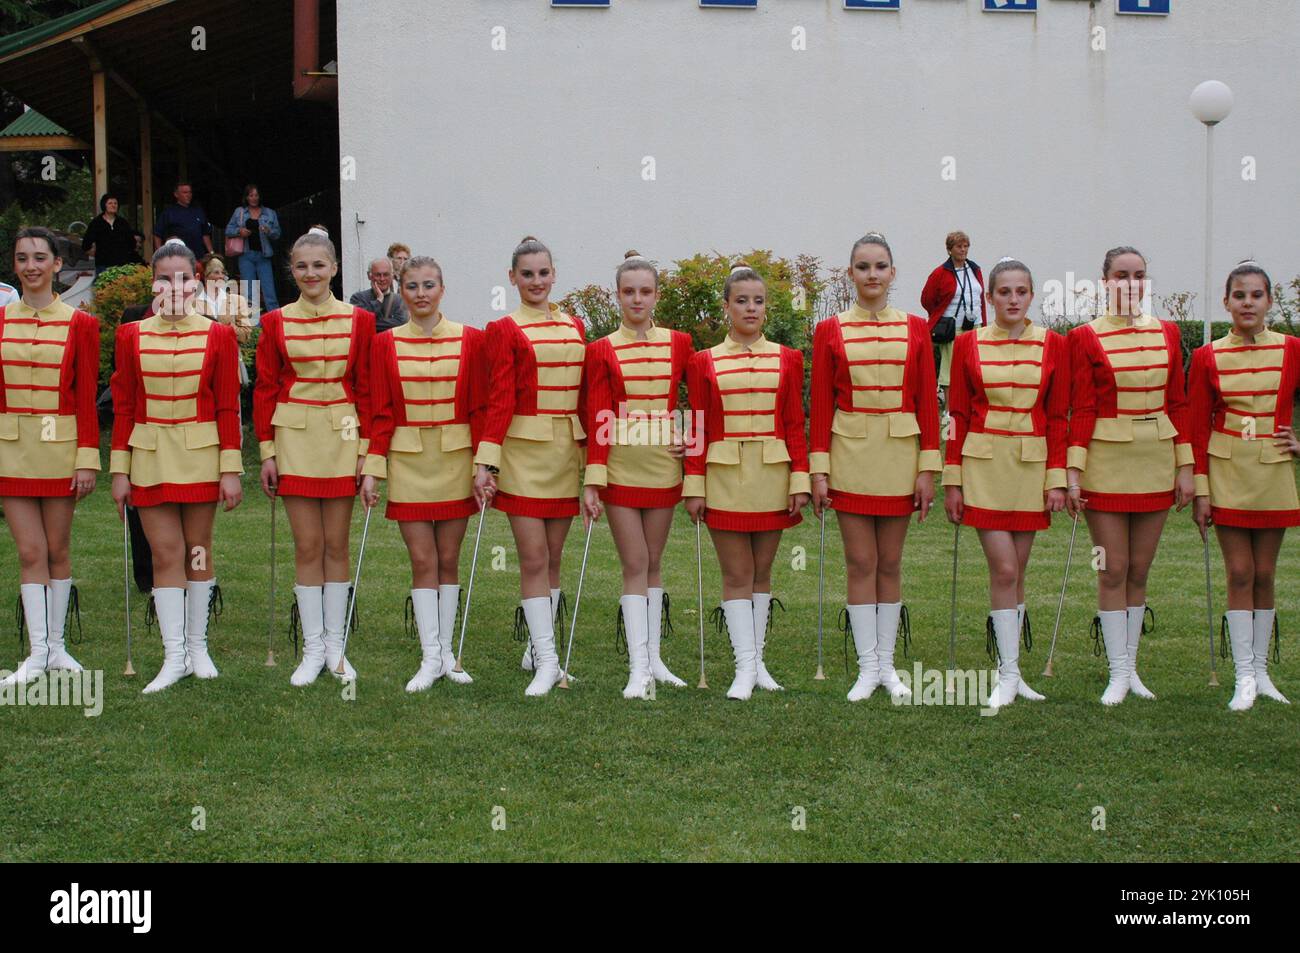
[(1210, 103)]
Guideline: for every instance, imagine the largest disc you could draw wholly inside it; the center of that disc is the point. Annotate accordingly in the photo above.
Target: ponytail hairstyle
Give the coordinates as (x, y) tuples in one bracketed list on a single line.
[(528, 245), (174, 248), (317, 236), (633, 261), (420, 261), (741, 272), (1005, 265), (1115, 253), (873, 238), (1249, 267)]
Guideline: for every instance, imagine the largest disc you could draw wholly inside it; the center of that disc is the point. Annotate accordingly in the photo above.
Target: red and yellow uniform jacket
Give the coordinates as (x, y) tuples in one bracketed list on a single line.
[(1128, 422), (1240, 394), (1009, 403), (875, 412), (311, 405), (428, 402), (536, 403), (749, 402), (632, 390), (176, 424), (48, 426)]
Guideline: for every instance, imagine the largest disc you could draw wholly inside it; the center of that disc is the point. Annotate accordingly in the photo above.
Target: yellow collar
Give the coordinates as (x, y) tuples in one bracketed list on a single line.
[(56, 310), (628, 336), (530, 314), (441, 329), (331, 305), (730, 345), (859, 313), (1115, 322), (995, 332), (1263, 337), (191, 321)]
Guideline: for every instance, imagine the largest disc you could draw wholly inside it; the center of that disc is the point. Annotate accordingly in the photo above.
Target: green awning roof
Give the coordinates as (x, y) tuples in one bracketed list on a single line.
[(32, 123), (18, 41)]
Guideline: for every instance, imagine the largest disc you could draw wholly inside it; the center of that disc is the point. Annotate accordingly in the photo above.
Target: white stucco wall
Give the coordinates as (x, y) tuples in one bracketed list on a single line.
[(1060, 151)]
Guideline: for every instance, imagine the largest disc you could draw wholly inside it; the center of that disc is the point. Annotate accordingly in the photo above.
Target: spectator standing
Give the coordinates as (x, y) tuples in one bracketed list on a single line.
[(953, 298), (186, 221), (399, 255), (110, 239), (251, 233)]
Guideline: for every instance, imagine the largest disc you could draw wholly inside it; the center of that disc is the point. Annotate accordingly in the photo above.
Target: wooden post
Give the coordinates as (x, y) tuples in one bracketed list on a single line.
[(146, 175), (101, 133)]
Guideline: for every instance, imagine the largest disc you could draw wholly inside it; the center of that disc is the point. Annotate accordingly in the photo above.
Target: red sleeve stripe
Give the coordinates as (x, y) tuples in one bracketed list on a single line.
[(191, 396), (430, 402), (1247, 370), (1131, 350), (1002, 343), (1140, 367)]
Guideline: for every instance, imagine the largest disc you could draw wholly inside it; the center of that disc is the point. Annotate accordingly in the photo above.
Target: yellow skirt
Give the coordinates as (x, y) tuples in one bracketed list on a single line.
[(430, 473), (1130, 466), (1252, 483), (38, 454), (747, 486), (316, 449), (874, 462), (541, 478), (1002, 482)]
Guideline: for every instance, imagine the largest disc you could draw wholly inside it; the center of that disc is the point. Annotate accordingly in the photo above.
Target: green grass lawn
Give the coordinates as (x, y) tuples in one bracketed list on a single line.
[(302, 774)]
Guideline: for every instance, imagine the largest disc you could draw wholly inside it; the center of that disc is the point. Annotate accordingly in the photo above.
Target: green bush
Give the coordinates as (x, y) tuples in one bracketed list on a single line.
[(690, 300), (116, 290)]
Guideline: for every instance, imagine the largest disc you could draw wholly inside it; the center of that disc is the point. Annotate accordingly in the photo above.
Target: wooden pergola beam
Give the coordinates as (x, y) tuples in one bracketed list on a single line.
[(43, 144)]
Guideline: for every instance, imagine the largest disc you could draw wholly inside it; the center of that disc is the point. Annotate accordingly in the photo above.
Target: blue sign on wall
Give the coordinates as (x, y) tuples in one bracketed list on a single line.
[(729, 3), (579, 3), (1155, 8), (871, 4), (1010, 6)]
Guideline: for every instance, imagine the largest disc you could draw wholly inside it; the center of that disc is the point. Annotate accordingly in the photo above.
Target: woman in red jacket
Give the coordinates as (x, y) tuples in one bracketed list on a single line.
[(752, 480), (1005, 472), (1243, 392), (1129, 457), (428, 390), (532, 441), (634, 469), (49, 442), (875, 450), (176, 453), (311, 413), (954, 290)]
